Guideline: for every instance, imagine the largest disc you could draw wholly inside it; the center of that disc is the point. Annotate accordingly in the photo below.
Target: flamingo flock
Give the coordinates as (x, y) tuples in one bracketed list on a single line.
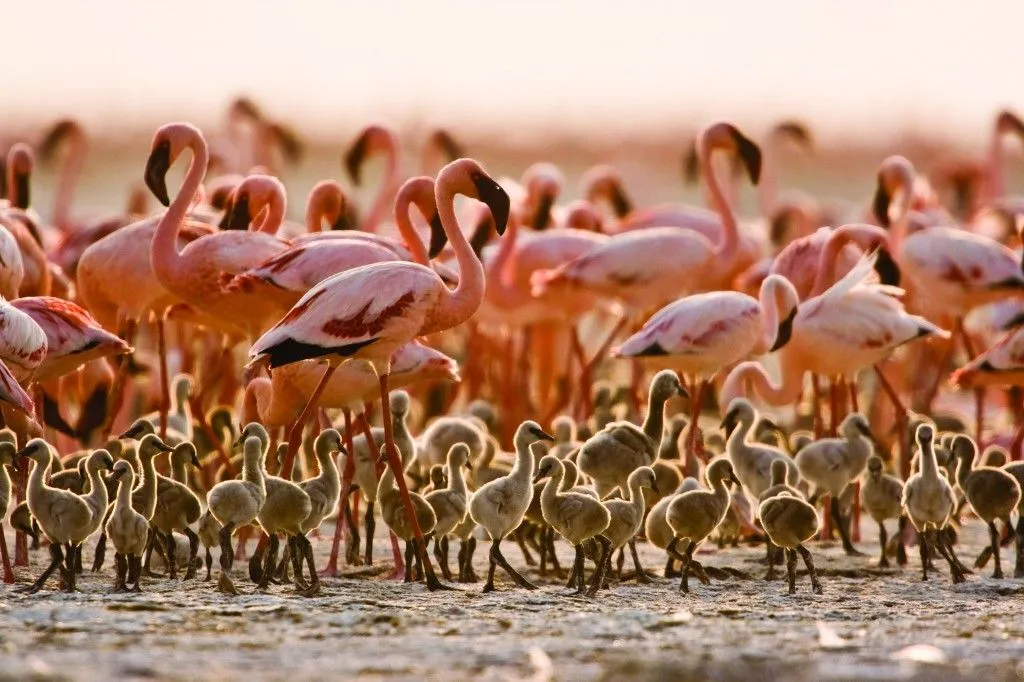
[(468, 357)]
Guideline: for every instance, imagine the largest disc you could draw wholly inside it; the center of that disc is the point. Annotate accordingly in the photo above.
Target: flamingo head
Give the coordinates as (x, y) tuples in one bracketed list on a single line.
[(168, 144), (604, 181), (20, 162), (254, 194), (728, 137), (468, 177), (896, 174), (544, 183), (373, 139)]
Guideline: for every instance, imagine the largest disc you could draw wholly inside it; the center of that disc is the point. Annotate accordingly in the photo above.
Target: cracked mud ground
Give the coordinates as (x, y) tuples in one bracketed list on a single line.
[(368, 628)]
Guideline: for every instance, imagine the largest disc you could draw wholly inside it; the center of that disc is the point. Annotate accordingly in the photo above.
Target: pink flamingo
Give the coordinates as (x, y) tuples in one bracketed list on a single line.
[(439, 149), (369, 312), (699, 336), (194, 274), (949, 271), (375, 139), (288, 275), (69, 134)]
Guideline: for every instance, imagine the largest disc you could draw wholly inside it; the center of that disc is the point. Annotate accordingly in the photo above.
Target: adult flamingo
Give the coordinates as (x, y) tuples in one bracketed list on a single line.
[(194, 273), (375, 139), (701, 335), (949, 271), (1000, 365), (369, 312), (288, 275)]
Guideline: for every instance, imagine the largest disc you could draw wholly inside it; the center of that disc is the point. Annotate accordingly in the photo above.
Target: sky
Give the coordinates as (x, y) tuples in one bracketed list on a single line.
[(939, 66)]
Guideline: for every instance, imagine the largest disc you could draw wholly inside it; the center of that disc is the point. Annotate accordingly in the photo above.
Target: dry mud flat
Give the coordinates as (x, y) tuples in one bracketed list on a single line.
[(869, 624)]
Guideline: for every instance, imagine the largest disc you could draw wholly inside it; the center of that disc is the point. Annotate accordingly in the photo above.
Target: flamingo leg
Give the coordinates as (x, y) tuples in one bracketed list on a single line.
[(120, 377), (165, 383), (901, 422), (1017, 396), (588, 370), (943, 365), (697, 399), (8, 571), (818, 425), (295, 434), (20, 539), (854, 403), (396, 467), (979, 391), (331, 569)]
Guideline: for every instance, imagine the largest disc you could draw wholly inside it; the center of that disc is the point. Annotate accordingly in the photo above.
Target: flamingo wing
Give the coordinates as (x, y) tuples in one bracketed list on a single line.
[(351, 310), (696, 325)]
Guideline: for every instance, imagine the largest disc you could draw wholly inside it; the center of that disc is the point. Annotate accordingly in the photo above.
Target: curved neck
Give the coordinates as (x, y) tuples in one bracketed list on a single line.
[(273, 214), (929, 466), (69, 173), (456, 306), (124, 492), (769, 301), (36, 481), (456, 479), (523, 467), (379, 208), (865, 237), (730, 238), (252, 470), (753, 380), (178, 472), (403, 205), (553, 486), (328, 467), (164, 255), (721, 492), (499, 270), (148, 484), (97, 497), (636, 497)]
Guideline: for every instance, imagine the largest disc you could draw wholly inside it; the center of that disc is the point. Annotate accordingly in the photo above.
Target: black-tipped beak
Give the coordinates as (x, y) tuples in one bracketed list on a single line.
[(543, 215), (654, 488), (345, 221), (880, 204), (20, 197), (785, 332), (133, 432), (621, 203), (887, 269), (469, 465), (438, 237), (157, 165), (749, 154), (492, 194), (118, 475), (681, 390), (447, 144), (732, 477), (691, 165), (21, 453), (238, 216), (195, 461), (162, 446), (542, 434), (355, 156), (482, 234), (728, 423)]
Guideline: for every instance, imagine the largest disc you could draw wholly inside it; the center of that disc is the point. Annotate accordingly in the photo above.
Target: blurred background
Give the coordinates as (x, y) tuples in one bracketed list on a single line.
[(574, 81)]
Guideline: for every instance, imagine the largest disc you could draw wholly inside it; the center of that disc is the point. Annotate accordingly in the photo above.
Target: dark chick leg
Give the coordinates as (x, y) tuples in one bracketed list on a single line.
[(71, 569), (470, 553), (620, 561), (120, 572), (507, 567), (56, 557), (78, 560), (209, 562), (431, 578), (227, 554), (841, 527), (489, 585), (603, 563), (641, 574), (305, 547), (577, 571), (193, 550), (152, 538), (901, 548), (922, 544), (811, 571), (527, 557), (461, 561), (549, 537), (172, 563), (993, 536), (409, 562), (791, 569), (669, 570), (684, 582), (936, 541), (442, 559), (772, 552), (135, 571), (369, 522), (1018, 570), (101, 551), (269, 562), (883, 561)]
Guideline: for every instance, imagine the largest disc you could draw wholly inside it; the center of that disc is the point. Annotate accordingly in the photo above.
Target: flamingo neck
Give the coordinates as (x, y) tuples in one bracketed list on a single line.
[(769, 301), (499, 270), (767, 186), (752, 379), (97, 497), (166, 260), (379, 208), (929, 465), (403, 206), (456, 479), (730, 237), (36, 481), (458, 305), (69, 174), (636, 498), (654, 421), (551, 489), (273, 214), (148, 484), (124, 491), (252, 469)]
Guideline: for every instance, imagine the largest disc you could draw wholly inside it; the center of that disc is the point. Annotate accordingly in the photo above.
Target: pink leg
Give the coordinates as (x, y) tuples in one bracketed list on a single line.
[(20, 539), (165, 383), (295, 435), (979, 391), (826, 526), (120, 377), (819, 421), (331, 569), (854, 406), (855, 522), (901, 423), (696, 400)]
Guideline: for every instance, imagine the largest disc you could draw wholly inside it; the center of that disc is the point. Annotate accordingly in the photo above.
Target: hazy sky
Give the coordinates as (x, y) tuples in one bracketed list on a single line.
[(943, 65)]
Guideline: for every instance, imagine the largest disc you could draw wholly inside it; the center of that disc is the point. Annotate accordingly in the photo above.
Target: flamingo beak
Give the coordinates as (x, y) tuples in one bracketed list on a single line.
[(887, 269), (355, 156), (785, 332), (344, 221), (133, 432), (543, 215), (492, 194), (880, 204), (157, 165), (239, 215), (438, 237), (195, 461), (749, 154)]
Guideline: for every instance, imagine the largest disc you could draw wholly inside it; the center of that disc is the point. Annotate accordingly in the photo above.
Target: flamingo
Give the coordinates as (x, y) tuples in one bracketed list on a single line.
[(439, 149), (1000, 365), (949, 271), (369, 312), (288, 275), (372, 140), (700, 335)]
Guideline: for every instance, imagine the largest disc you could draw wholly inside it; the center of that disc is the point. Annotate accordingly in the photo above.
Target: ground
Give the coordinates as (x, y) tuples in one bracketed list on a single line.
[(366, 627)]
